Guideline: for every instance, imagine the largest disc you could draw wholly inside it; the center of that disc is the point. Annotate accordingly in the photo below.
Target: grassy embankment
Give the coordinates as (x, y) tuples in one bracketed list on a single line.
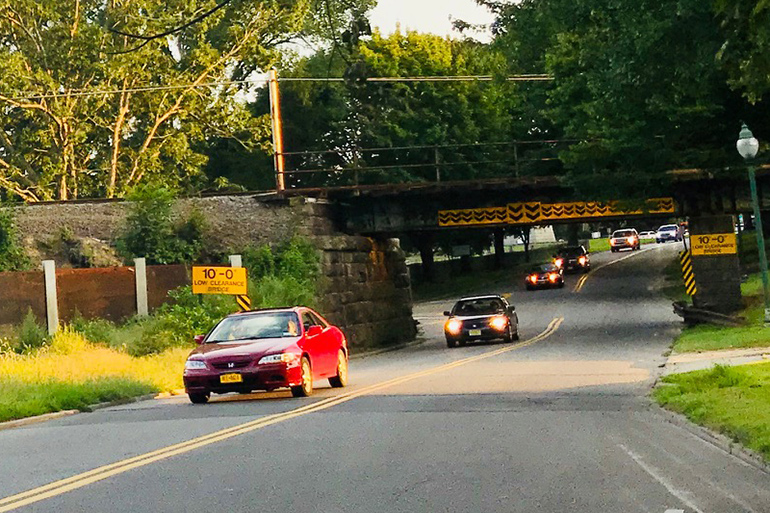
[(734, 401), (753, 334), (72, 373)]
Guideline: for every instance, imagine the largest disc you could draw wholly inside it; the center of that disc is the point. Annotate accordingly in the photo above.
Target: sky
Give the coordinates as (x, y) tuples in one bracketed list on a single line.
[(432, 16)]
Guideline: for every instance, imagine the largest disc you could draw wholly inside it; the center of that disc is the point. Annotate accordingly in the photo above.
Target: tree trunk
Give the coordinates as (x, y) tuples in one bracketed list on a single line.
[(499, 248), (525, 238), (425, 245)]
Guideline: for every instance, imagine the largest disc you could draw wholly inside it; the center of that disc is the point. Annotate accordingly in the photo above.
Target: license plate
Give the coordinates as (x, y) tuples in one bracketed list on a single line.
[(231, 378), (474, 333)]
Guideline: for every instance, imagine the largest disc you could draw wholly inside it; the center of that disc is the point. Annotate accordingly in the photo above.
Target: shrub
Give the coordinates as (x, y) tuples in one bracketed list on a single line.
[(32, 334), (12, 255), (150, 231), (97, 331)]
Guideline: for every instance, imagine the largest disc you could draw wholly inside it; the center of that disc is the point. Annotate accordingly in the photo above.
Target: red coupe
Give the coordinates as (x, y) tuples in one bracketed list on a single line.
[(265, 350)]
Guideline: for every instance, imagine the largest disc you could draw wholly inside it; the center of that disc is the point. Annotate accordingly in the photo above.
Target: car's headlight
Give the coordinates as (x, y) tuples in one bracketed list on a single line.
[(279, 358), (195, 364), (499, 322), (453, 326)]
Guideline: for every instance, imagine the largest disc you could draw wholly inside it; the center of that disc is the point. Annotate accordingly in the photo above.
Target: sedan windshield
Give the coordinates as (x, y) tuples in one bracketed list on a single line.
[(256, 326), (623, 233), (481, 306), (668, 228)]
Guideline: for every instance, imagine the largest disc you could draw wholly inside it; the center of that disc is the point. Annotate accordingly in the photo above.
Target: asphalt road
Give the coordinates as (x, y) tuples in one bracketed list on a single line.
[(559, 422)]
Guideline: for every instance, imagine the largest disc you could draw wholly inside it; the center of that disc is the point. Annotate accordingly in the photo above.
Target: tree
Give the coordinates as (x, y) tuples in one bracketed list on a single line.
[(92, 103), (452, 123), (746, 50), (636, 84)]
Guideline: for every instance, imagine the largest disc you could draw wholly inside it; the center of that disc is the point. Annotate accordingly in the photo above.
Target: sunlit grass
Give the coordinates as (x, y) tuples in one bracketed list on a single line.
[(72, 373), (710, 338), (732, 400)]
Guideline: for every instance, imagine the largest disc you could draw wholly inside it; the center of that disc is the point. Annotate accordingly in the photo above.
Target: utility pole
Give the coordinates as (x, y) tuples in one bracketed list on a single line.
[(277, 125)]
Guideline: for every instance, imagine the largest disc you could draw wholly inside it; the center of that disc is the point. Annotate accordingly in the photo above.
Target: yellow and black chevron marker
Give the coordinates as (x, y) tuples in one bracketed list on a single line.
[(473, 216), (524, 213), (685, 258), (529, 213), (243, 302)]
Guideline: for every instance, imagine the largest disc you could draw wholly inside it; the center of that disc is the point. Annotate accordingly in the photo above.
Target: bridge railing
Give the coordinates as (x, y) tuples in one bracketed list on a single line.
[(360, 167)]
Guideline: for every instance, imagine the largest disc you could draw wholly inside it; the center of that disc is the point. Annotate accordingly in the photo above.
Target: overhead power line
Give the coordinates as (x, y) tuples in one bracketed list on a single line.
[(219, 83)]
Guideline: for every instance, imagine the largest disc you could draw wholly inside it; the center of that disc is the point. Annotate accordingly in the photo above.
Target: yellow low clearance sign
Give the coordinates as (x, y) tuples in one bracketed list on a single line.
[(219, 280), (714, 244)]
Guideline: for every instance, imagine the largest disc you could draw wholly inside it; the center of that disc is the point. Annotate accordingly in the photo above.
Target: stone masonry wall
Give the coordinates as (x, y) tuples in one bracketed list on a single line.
[(365, 289)]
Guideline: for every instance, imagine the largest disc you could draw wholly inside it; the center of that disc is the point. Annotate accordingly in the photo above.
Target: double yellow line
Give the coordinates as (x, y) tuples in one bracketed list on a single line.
[(99, 474), (580, 283)]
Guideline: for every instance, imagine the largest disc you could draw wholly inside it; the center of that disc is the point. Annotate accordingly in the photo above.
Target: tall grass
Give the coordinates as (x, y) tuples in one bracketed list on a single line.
[(71, 373)]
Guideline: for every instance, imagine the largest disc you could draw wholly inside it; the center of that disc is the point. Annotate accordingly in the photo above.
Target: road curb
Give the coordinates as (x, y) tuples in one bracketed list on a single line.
[(375, 352), (718, 440), (11, 424)]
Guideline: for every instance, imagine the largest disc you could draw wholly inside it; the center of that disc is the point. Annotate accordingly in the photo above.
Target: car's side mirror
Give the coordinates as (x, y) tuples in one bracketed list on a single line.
[(314, 331), (511, 308), (199, 339), (447, 313)]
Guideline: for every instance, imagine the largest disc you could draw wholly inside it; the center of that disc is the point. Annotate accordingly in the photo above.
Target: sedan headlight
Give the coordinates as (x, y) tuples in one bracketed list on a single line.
[(499, 322), (279, 358), (453, 326), (195, 364)]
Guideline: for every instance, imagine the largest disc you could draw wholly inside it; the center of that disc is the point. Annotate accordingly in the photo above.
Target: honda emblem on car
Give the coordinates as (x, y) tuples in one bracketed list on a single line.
[(230, 365)]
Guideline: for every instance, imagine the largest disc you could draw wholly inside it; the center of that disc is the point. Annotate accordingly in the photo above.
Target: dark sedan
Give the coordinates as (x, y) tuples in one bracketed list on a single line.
[(481, 318), (545, 276), (573, 258), (265, 350)]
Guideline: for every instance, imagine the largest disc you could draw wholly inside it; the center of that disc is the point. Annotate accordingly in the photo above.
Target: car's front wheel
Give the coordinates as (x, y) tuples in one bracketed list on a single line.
[(341, 379), (200, 398), (306, 388)]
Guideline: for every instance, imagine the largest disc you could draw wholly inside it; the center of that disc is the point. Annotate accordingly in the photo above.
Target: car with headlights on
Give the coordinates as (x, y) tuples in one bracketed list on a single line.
[(544, 276), (573, 258), (669, 232), (627, 238), (487, 317), (266, 350)]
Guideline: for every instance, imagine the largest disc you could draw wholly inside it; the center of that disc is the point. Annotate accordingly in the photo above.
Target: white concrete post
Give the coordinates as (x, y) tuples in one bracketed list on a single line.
[(140, 276), (236, 261), (51, 301)]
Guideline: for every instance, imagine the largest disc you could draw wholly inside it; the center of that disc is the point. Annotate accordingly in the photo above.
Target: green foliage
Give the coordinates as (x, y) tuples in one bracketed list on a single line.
[(91, 145), (12, 256), (150, 231), (97, 331), (32, 334), (732, 400), (19, 400)]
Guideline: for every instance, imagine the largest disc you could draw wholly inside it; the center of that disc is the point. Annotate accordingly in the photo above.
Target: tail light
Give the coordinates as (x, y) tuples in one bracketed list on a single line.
[(559, 262), (453, 326), (553, 277), (582, 260), (499, 322)]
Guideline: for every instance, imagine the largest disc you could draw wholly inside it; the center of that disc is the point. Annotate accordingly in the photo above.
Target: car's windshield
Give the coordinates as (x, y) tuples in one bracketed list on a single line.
[(670, 228), (256, 326), (623, 233), (545, 268), (481, 306), (572, 252)]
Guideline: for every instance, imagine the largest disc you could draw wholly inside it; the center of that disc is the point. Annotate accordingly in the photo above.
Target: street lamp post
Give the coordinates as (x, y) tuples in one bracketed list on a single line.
[(748, 147)]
